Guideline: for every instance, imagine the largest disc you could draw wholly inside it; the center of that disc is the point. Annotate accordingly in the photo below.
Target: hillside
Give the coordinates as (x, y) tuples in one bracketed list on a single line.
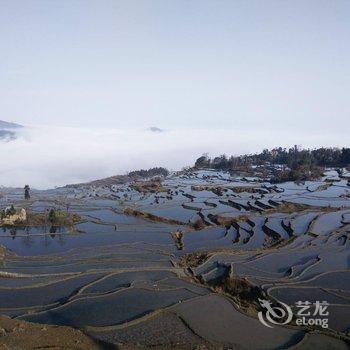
[(9, 125)]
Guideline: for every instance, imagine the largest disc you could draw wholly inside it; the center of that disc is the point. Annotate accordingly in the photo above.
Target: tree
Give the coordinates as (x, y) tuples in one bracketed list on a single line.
[(26, 192), (203, 161), (345, 156), (52, 216), (158, 171), (295, 158)]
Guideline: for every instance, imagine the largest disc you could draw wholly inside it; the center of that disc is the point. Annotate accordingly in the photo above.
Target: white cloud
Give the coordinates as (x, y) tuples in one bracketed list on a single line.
[(46, 157)]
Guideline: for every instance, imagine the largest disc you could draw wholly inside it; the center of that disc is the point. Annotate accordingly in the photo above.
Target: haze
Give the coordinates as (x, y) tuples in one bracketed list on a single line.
[(46, 157), (242, 74)]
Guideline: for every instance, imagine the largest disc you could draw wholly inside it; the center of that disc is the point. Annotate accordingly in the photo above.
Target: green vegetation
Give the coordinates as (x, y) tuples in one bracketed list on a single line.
[(52, 216), (57, 217), (297, 164), (158, 171), (293, 157), (297, 174)]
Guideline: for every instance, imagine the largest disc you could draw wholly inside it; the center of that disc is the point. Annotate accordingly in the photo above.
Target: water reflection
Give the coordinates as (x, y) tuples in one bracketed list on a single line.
[(28, 241), (33, 230), (53, 230)]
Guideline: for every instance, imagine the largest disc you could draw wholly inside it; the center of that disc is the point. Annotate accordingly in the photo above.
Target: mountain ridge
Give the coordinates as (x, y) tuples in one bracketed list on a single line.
[(9, 125)]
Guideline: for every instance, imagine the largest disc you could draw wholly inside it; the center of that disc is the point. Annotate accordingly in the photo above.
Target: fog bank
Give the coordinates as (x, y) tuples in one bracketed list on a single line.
[(45, 157)]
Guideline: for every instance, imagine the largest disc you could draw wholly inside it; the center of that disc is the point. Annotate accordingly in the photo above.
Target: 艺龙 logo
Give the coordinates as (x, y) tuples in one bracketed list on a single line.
[(309, 314), (274, 315)]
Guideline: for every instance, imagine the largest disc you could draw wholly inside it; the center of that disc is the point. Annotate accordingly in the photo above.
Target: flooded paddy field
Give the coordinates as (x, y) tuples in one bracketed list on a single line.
[(184, 266)]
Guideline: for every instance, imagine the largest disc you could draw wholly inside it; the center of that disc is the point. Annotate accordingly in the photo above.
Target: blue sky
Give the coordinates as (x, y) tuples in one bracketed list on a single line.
[(247, 65)]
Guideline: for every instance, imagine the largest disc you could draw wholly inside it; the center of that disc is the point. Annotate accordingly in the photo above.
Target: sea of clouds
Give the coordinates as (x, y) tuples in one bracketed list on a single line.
[(45, 157)]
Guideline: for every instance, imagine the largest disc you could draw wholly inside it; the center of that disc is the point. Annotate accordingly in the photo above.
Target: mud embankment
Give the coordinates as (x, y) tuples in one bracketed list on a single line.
[(152, 217)]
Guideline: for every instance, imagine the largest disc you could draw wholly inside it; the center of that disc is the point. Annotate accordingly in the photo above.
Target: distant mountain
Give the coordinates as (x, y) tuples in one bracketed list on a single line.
[(9, 125), (155, 129), (7, 135), (7, 132)]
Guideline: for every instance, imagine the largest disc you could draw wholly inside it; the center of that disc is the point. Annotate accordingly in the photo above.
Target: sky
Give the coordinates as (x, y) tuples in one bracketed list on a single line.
[(240, 75), (208, 64)]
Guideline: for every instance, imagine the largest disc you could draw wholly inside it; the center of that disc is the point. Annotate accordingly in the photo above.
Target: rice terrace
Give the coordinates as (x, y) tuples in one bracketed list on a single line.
[(181, 259), (174, 174)]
